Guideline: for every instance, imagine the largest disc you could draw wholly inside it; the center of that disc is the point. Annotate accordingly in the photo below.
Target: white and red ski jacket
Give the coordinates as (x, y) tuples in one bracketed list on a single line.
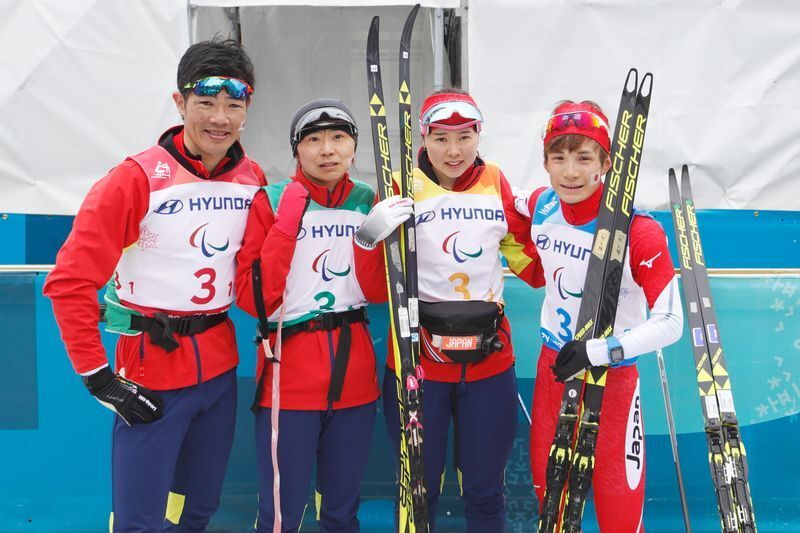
[(109, 227), (563, 234)]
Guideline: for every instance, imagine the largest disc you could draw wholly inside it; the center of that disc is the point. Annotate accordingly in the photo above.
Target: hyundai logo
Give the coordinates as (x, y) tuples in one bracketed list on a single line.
[(427, 216), (170, 207), (543, 242)]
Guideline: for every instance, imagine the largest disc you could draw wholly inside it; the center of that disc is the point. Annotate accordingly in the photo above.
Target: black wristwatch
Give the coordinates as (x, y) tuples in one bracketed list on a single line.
[(616, 355)]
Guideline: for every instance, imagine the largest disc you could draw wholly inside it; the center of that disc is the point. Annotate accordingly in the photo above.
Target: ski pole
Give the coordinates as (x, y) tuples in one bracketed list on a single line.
[(673, 438), (524, 409)]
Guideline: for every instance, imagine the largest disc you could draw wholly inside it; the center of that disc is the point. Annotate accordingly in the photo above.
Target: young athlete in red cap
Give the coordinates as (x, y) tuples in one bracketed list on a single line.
[(563, 219), (464, 219), (299, 240)]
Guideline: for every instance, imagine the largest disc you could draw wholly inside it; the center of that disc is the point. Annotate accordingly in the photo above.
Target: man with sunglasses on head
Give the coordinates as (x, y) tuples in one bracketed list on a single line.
[(164, 227), (563, 220)]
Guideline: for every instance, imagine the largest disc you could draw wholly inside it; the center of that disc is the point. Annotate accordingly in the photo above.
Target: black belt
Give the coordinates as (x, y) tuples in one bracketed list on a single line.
[(324, 322), (160, 327)]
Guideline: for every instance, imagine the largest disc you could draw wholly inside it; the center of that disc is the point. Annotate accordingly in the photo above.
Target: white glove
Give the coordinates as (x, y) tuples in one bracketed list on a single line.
[(382, 219)]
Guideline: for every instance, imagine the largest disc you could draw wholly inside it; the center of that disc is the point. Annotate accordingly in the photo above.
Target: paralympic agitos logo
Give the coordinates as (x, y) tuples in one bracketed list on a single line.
[(450, 247), (563, 292), (198, 240), (320, 266)]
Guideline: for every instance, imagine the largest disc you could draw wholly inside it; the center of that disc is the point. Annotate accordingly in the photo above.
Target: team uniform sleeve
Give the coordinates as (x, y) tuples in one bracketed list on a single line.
[(273, 247), (107, 222), (652, 269), (517, 246), (370, 270), (258, 171)]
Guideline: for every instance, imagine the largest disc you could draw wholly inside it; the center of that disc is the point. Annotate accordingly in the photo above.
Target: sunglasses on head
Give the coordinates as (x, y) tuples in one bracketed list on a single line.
[(574, 119), (443, 111), (212, 85)]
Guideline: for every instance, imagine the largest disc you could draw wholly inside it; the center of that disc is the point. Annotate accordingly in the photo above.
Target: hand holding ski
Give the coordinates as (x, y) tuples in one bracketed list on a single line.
[(412, 504)]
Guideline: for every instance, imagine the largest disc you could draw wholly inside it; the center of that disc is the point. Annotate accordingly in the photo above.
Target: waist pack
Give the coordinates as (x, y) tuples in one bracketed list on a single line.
[(460, 332)]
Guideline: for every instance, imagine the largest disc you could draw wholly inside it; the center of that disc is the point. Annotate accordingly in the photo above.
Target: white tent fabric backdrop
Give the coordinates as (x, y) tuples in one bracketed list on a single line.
[(726, 95), (303, 53), (87, 82)]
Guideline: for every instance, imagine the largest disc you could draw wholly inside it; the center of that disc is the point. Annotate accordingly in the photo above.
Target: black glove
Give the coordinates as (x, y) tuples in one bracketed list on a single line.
[(571, 359), (134, 403)]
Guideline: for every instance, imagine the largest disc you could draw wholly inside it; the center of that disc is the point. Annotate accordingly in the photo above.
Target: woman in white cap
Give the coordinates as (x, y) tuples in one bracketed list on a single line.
[(296, 273), (465, 217)]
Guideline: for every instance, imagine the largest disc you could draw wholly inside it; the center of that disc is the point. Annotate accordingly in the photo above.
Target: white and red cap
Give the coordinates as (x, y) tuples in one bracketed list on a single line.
[(449, 111)]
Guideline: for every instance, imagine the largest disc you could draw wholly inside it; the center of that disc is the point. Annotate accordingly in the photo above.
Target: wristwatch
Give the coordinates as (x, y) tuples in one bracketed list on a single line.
[(616, 355)]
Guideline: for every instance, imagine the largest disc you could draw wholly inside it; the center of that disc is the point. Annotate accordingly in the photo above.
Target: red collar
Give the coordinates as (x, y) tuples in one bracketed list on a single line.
[(584, 211), (320, 193), (194, 160)]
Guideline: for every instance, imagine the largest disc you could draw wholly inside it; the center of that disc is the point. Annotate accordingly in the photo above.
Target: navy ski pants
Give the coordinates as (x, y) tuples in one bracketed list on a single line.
[(181, 458), (339, 441), (486, 423)]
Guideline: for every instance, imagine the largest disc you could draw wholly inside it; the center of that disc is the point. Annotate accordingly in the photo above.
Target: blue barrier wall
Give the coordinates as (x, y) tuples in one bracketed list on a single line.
[(55, 439)]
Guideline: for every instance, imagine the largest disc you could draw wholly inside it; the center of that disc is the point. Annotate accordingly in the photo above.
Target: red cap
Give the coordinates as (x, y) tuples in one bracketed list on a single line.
[(578, 119), (449, 111)]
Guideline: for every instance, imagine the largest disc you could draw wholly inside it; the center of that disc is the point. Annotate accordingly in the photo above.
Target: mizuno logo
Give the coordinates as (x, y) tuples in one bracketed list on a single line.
[(649, 262)]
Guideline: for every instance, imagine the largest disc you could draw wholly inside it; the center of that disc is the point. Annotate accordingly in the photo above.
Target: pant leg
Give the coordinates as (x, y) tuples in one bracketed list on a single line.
[(143, 459), (298, 440), (619, 475), (547, 395), (203, 457), (341, 460), (486, 426), (436, 414)]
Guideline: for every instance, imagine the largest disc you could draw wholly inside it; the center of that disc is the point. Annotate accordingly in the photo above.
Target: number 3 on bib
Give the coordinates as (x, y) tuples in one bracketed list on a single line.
[(326, 300), (462, 281), (564, 333), (207, 285)]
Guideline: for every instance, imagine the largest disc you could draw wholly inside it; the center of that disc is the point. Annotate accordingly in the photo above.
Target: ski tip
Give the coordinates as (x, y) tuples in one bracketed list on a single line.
[(672, 174), (372, 39), (685, 173), (408, 26), (647, 85), (633, 76)]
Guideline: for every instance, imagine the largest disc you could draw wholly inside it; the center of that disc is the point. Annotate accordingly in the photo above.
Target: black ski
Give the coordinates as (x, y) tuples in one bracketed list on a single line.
[(727, 457), (412, 504), (569, 467), (407, 180)]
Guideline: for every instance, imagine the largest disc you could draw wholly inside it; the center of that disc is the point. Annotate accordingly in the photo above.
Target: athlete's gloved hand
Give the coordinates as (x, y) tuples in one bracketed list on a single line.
[(572, 359), (291, 208), (382, 219), (134, 403)]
